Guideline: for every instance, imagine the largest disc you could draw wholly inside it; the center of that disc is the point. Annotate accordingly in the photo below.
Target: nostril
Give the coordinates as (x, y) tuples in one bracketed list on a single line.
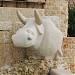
[(29, 38)]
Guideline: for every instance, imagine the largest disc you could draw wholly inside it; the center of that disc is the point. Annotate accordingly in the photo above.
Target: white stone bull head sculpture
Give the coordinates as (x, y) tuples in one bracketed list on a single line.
[(39, 32)]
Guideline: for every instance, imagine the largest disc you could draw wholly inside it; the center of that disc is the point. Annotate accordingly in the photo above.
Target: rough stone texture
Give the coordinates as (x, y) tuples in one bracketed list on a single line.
[(27, 0), (23, 4), (4, 37), (52, 7), (29, 67), (58, 8), (9, 24), (69, 52), (1, 55), (9, 4), (36, 0), (71, 4), (60, 72)]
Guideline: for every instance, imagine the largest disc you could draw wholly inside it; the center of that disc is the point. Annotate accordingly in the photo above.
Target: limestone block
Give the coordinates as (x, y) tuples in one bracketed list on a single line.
[(69, 53), (73, 46), (7, 54), (66, 46), (4, 37), (72, 67), (1, 18), (29, 66), (5, 57), (26, 13), (15, 27), (16, 54), (1, 25), (74, 58), (6, 26), (11, 18), (1, 55), (67, 40), (19, 54), (4, 18), (1, 49), (1, 8), (9, 4), (73, 40), (6, 11), (1, 37), (36, 0), (9, 14), (38, 5), (9, 21), (12, 10), (58, 8), (21, 5), (68, 60)]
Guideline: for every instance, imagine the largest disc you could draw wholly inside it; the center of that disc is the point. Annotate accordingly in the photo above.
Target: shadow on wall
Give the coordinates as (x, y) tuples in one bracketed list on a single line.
[(71, 23)]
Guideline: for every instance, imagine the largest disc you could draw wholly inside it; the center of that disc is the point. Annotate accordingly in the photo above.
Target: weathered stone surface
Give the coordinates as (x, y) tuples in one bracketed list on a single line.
[(9, 4), (4, 37), (72, 67), (1, 55), (71, 4), (67, 40), (69, 52), (5, 26), (36, 0), (58, 8), (60, 72), (30, 66), (53, 7)]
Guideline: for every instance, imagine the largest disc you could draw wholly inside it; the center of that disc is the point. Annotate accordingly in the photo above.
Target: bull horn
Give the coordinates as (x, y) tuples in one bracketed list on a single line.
[(37, 18), (21, 17)]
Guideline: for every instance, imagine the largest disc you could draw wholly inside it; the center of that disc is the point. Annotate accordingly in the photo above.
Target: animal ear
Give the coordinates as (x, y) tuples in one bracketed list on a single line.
[(37, 18), (21, 17)]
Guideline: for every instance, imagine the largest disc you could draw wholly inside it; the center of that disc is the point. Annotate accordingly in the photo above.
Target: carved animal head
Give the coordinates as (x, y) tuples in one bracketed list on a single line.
[(28, 34)]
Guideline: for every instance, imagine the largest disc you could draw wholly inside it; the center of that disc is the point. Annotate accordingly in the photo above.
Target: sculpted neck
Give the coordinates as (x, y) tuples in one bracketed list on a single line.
[(38, 41), (39, 38)]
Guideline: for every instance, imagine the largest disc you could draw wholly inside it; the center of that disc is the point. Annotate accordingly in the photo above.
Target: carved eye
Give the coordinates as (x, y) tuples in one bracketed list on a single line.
[(29, 38)]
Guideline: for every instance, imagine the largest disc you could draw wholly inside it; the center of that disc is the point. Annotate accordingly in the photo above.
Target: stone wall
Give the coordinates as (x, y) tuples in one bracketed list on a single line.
[(9, 21), (23, 3), (58, 8), (69, 52), (52, 7), (9, 24)]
